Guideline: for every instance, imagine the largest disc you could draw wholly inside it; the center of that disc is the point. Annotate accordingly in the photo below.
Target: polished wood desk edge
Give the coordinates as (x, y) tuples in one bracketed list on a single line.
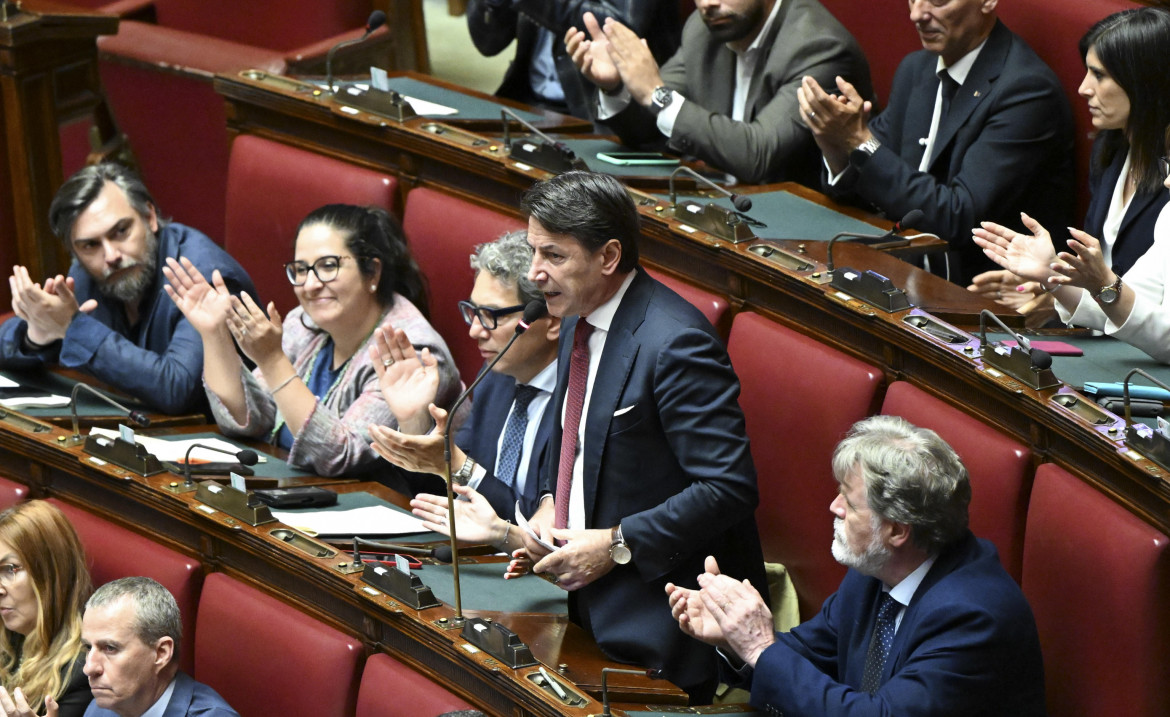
[(320, 586)]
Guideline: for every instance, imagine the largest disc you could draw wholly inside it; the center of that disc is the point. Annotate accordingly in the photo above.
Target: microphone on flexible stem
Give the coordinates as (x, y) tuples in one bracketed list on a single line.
[(605, 673), (441, 552), (912, 217), (247, 457), (376, 20), (1040, 358), (740, 202), (533, 312), (138, 417)]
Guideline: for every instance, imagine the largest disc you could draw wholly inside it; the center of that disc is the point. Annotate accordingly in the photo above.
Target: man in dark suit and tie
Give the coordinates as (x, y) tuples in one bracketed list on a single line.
[(499, 449), (926, 622), (649, 468), (977, 128)]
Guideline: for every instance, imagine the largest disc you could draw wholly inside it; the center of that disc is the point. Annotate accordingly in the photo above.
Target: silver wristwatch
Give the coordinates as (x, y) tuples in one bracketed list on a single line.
[(461, 476), (1110, 294), (619, 552), (661, 99)]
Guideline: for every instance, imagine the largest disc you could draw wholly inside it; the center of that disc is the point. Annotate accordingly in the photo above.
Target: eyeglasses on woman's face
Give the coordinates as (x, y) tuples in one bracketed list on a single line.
[(8, 572), (326, 269)]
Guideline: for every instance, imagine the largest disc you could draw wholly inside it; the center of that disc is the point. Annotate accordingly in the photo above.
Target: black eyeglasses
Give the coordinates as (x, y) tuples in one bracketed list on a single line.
[(487, 317), (325, 268)]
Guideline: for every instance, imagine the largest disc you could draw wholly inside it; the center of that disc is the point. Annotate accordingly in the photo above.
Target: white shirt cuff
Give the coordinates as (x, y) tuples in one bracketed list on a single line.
[(610, 105), (834, 178), (667, 116)]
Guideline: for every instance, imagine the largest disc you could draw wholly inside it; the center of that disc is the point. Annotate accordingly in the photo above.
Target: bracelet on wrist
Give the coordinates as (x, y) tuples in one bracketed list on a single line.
[(283, 384)]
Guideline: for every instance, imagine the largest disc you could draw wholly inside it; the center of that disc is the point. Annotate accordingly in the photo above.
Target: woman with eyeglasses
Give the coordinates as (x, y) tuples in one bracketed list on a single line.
[(315, 390), (44, 584), (1128, 93)]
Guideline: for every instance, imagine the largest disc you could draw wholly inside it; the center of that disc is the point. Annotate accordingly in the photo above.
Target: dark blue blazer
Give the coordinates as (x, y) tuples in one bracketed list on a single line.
[(479, 437), (1136, 235), (1005, 147), (189, 698), (967, 647), (673, 467)]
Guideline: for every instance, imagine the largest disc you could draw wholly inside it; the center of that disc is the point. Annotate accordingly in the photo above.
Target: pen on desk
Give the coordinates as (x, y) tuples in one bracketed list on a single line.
[(556, 686)]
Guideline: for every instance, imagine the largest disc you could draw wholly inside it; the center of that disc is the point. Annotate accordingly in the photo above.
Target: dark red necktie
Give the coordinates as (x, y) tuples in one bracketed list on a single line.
[(574, 402)]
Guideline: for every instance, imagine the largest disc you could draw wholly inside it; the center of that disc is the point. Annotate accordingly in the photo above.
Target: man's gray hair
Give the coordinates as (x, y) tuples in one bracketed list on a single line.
[(79, 191), (156, 614), (911, 476), (508, 260)]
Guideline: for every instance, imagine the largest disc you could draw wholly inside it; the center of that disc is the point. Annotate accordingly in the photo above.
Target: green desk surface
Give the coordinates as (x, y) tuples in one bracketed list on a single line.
[(468, 107), (87, 404), (482, 587), (787, 216)]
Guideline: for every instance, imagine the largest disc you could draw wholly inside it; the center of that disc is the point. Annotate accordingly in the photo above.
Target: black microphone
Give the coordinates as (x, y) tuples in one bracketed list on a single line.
[(1040, 358), (912, 217), (607, 671), (740, 202), (441, 552), (247, 457), (138, 417), (376, 20)]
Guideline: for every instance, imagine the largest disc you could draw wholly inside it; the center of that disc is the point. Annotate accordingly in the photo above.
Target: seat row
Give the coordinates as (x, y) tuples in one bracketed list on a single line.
[(262, 655)]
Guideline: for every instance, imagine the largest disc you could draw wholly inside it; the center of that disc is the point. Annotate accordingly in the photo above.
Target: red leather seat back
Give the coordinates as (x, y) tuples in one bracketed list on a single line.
[(274, 24), (115, 552), (271, 187), (391, 689), (267, 658), (1098, 580), (1000, 468), (11, 493), (713, 306), (885, 33), (443, 231), (799, 397)]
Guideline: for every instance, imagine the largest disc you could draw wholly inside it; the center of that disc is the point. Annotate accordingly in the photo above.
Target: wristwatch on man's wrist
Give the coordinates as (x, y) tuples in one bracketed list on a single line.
[(661, 99), (1109, 294), (463, 475), (862, 152), (619, 552)]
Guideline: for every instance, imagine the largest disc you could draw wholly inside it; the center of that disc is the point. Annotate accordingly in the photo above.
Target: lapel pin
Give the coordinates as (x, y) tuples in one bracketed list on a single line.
[(977, 93)]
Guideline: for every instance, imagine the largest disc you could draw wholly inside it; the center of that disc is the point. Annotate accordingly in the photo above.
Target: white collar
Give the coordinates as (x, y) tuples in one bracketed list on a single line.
[(962, 66), (904, 591), (756, 43), (602, 316)]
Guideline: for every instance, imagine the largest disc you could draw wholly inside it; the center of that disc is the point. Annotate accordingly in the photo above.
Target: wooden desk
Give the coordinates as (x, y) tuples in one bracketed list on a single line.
[(314, 584)]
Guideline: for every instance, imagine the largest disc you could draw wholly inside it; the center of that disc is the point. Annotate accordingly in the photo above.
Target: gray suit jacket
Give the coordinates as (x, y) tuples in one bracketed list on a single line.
[(772, 143)]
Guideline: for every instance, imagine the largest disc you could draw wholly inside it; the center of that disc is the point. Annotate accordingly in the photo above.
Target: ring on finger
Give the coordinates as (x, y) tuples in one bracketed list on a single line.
[(811, 114), (387, 362)]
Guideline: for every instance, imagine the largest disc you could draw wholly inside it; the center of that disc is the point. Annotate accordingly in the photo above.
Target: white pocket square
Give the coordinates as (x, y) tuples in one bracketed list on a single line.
[(620, 411)]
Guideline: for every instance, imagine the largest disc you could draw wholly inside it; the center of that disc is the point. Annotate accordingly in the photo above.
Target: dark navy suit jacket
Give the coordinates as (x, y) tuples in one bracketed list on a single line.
[(189, 698), (1136, 235), (479, 438), (673, 467), (1005, 147), (967, 646)]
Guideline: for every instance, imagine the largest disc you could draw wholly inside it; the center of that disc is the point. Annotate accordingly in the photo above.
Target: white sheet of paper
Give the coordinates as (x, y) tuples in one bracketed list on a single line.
[(371, 520), (35, 402), (379, 79), (6, 382), (522, 523), (175, 450)]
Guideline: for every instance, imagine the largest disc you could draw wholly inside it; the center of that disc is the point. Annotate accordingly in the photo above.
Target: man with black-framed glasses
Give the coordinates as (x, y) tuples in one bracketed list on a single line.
[(499, 449)]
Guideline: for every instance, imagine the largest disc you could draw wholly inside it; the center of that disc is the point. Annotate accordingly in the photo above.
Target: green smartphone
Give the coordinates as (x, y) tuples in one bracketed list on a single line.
[(631, 158)]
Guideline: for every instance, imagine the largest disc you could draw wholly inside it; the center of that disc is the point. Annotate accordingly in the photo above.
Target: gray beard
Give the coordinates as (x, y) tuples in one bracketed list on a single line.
[(868, 562), (129, 290)]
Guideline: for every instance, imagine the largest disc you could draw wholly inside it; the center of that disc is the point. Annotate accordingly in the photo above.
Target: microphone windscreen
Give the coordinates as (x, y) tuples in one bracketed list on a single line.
[(376, 20), (533, 311), (248, 457), (741, 202), (442, 553), (140, 418), (912, 217), (1041, 359)]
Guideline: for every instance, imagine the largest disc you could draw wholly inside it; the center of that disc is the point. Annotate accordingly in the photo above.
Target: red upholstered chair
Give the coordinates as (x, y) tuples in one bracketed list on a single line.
[(443, 231), (1098, 580), (391, 689), (11, 493), (267, 658), (1000, 468), (271, 187), (713, 306), (115, 552), (799, 397)]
